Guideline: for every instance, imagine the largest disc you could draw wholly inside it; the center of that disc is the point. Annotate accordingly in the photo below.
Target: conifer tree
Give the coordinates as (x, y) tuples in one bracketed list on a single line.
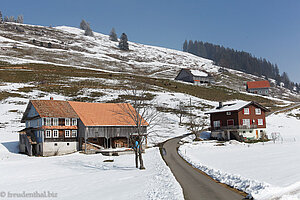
[(113, 36), (123, 43)]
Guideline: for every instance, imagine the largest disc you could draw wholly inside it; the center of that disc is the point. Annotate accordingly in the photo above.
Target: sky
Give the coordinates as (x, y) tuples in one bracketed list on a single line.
[(269, 29)]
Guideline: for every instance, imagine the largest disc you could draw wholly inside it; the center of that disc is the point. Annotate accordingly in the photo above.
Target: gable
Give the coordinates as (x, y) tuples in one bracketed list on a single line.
[(30, 112)]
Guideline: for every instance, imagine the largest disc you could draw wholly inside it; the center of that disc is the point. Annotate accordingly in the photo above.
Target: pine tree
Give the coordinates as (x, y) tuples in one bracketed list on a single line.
[(123, 43), (84, 24), (113, 36), (88, 31), (5, 19), (1, 20), (185, 46)]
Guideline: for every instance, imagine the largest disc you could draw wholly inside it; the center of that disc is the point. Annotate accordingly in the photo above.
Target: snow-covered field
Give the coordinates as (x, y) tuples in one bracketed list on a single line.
[(78, 176), (267, 171)]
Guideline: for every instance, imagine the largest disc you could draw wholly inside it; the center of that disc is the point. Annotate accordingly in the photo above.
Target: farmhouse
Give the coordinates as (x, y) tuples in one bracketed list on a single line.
[(55, 127), (239, 121), (194, 76), (258, 87)]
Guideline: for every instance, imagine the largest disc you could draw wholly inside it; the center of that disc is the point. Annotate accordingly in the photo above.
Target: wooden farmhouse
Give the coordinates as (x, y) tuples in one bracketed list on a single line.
[(55, 127), (239, 121), (194, 76), (258, 87)]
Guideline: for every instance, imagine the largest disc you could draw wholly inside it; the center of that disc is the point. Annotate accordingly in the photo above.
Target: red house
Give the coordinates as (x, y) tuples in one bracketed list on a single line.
[(240, 120), (258, 87)]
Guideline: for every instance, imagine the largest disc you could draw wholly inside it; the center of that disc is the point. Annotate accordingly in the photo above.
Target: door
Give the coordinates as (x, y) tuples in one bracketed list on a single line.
[(256, 134)]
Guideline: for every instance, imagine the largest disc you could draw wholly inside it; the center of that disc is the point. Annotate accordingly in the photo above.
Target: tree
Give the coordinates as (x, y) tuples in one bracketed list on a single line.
[(11, 19), (84, 24), (113, 36), (88, 31), (196, 125), (1, 17), (185, 46), (181, 111), (123, 43), (141, 113), (20, 19), (6, 19)]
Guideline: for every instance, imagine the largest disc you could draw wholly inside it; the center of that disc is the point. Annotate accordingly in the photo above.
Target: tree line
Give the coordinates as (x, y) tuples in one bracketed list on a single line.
[(239, 60), (20, 19)]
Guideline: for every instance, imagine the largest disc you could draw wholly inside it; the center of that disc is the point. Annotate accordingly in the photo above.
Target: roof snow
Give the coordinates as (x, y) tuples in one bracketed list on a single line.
[(233, 106), (198, 73)]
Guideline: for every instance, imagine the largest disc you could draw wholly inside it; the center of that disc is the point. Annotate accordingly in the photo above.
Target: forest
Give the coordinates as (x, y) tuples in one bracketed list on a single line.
[(239, 60)]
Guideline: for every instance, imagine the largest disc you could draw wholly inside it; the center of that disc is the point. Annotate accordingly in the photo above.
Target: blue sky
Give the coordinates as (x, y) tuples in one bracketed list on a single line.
[(268, 28)]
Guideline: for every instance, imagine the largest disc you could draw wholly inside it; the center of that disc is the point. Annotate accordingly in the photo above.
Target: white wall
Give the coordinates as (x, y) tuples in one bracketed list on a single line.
[(49, 148)]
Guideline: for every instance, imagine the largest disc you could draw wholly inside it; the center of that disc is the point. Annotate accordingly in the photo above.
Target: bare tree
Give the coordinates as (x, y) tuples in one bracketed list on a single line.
[(142, 112), (1, 17), (196, 125), (20, 19), (181, 111)]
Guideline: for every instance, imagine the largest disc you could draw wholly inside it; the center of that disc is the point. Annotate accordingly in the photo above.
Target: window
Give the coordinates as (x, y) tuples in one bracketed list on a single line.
[(48, 121), (55, 121), (217, 124), (246, 111), (74, 122), (68, 144), (228, 113), (55, 134), (260, 122), (67, 122), (55, 144), (74, 133), (266, 91), (67, 133), (246, 122), (48, 133), (257, 111), (230, 122)]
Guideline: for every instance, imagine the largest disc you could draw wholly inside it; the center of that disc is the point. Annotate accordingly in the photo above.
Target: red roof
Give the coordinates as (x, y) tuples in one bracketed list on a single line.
[(105, 114), (258, 84)]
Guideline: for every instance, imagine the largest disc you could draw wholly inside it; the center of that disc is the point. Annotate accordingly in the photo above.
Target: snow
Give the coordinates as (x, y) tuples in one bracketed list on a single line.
[(78, 176), (199, 73), (230, 106), (266, 170)]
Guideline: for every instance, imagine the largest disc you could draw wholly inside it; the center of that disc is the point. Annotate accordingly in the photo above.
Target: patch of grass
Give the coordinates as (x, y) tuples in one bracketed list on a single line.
[(5, 95)]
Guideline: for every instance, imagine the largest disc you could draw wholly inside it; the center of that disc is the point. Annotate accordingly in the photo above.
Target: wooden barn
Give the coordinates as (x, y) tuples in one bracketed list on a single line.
[(104, 124), (194, 76), (55, 127)]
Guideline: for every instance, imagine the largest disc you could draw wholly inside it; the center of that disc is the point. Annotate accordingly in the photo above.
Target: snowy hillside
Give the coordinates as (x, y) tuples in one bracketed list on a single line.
[(70, 47)]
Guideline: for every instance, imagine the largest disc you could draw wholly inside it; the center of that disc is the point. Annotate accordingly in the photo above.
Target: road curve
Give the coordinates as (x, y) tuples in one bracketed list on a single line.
[(195, 185)]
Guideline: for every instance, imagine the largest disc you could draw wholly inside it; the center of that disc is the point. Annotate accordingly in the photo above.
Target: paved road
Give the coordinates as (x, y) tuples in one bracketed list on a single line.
[(195, 184)]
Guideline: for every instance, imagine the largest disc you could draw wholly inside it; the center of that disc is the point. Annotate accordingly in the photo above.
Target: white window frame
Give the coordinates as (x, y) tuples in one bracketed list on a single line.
[(245, 122), (55, 131), (228, 113), (217, 124), (74, 133), (248, 111), (67, 122), (257, 111), (48, 121), (50, 134), (55, 121), (74, 120), (260, 122), (67, 133)]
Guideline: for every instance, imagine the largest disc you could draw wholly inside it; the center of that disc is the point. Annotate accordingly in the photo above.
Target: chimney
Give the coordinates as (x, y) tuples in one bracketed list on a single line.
[(220, 104), (51, 98)]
